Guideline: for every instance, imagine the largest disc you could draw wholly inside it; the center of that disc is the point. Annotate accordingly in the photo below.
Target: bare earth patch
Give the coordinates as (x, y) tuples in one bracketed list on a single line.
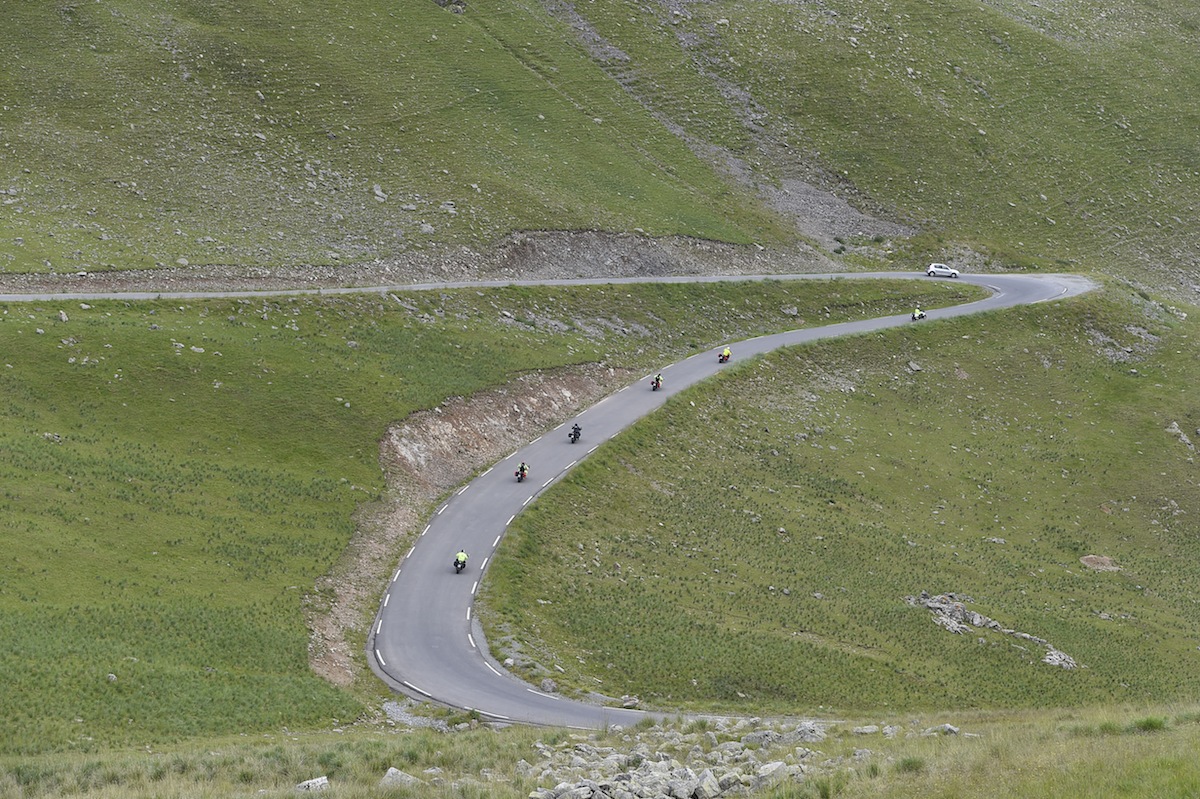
[(1100, 563), (423, 458)]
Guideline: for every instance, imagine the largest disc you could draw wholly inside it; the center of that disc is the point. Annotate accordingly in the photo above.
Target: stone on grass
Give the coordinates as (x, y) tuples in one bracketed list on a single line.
[(315, 784), (942, 729), (395, 778), (770, 774), (808, 732)]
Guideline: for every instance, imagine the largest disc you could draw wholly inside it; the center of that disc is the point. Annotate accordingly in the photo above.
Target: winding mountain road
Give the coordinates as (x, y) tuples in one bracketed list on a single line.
[(425, 641)]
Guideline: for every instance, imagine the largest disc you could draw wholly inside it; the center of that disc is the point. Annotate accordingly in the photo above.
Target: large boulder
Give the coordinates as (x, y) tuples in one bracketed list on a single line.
[(761, 738), (707, 786), (808, 732), (730, 780), (769, 774), (681, 789)]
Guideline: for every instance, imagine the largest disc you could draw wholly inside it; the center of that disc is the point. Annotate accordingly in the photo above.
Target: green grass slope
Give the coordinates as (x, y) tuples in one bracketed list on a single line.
[(261, 133), (983, 457), (135, 134), (177, 477), (1044, 136)]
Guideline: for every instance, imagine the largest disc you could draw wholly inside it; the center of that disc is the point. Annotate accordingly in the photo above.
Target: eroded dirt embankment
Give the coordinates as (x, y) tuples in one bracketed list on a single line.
[(423, 457)]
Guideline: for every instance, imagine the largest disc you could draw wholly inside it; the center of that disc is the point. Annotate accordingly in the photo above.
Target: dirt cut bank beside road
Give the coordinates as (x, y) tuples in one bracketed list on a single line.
[(423, 458)]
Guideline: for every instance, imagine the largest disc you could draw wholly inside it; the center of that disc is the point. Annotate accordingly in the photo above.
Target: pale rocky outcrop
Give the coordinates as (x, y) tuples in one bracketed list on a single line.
[(949, 611)]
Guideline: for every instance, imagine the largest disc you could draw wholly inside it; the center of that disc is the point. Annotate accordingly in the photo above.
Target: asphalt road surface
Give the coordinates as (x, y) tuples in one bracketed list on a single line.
[(425, 641)]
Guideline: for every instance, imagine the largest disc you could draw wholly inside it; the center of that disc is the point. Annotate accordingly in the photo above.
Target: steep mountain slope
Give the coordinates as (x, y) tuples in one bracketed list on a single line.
[(357, 135), (1043, 135), (185, 133)]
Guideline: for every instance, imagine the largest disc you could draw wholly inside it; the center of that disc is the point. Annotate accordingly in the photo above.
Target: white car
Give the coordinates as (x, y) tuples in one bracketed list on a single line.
[(941, 270)]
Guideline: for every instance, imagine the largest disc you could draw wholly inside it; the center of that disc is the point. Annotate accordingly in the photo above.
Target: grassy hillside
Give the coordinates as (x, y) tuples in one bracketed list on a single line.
[(177, 477), (305, 132), (136, 134), (1049, 137), (981, 457)]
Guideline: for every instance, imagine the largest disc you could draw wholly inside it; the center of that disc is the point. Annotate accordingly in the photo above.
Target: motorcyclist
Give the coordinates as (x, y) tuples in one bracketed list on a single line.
[(460, 560), (522, 470), (918, 313), (726, 354), (658, 380), (576, 431)]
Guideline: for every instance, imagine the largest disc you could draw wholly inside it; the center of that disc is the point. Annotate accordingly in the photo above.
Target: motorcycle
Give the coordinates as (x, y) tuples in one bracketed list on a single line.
[(723, 358), (521, 474), (656, 384), (918, 315), (575, 433), (459, 565)]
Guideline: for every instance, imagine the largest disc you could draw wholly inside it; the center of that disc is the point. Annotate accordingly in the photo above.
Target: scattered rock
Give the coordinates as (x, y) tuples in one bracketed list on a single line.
[(760, 738), (395, 778), (315, 784), (1173, 429), (707, 786), (772, 774), (949, 612), (577, 769), (942, 729), (400, 712), (1060, 659)]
